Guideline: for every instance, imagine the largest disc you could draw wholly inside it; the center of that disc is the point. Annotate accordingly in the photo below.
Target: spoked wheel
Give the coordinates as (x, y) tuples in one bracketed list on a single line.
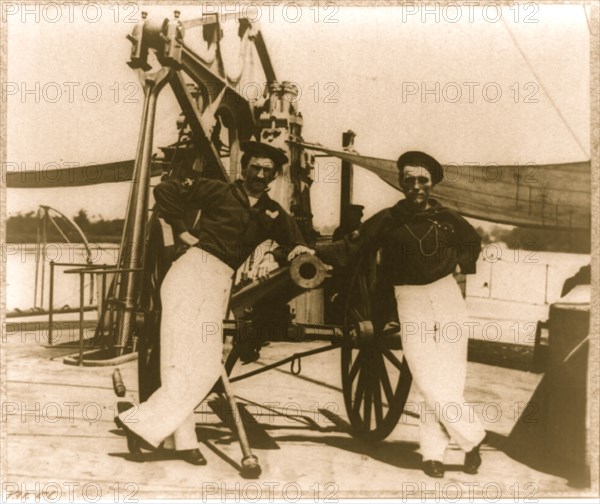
[(376, 379), (149, 359)]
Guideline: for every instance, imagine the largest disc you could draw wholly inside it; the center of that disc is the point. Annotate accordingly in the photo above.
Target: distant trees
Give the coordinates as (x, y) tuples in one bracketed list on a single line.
[(82, 220), (547, 239), (23, 228), (22, 225)]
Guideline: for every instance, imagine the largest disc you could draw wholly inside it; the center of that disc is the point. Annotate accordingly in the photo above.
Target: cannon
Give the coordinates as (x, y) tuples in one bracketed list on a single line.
[(375, 377), (305, 272)]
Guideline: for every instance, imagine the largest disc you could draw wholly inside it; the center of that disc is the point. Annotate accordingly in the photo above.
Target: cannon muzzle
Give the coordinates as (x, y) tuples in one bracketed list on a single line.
[(307, 271), (284, 284)]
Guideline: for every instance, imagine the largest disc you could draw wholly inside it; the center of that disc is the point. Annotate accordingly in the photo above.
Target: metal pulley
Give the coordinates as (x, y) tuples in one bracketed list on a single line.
[(165, 36), (139, 47), (172, 36)]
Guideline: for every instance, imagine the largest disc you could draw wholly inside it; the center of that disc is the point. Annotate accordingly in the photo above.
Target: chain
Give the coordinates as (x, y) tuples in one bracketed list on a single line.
[(433, 227)]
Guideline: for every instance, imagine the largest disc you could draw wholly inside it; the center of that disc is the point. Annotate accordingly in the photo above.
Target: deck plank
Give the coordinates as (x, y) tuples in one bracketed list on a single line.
[(75, 450)]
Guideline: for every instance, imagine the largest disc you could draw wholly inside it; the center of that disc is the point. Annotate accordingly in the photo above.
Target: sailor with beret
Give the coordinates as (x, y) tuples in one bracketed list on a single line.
[(235, 218), (433, 242), (422, 244)]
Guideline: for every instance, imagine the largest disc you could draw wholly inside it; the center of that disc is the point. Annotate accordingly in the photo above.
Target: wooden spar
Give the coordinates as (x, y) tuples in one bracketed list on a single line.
[(138, 199), (347, 172)]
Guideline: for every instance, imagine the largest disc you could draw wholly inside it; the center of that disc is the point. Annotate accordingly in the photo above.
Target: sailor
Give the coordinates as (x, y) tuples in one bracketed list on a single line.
[(422, 244), (351, 222), (235, 219), (334, 286)]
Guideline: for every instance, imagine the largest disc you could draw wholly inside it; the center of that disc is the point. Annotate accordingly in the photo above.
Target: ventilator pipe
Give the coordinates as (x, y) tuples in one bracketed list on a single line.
[(148, 34)]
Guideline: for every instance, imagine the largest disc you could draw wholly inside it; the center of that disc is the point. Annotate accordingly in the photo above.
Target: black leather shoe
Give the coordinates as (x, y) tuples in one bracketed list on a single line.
[(193, 456), (433, 468), (472, 460), (135, 443)]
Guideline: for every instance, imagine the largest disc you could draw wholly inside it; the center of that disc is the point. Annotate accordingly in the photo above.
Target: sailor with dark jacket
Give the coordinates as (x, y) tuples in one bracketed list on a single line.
[(422, 244), (235, 218)]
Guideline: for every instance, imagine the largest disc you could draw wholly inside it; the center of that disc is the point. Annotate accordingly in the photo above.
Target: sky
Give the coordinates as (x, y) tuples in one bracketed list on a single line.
[(465, 84)]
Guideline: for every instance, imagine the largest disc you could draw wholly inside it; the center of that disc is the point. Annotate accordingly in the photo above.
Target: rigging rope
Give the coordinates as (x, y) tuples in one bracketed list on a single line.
[(587, 19), (535, 74)]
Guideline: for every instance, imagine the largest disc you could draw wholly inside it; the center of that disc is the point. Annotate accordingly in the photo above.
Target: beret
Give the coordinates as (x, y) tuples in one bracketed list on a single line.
[(259, 149), (417, 158)]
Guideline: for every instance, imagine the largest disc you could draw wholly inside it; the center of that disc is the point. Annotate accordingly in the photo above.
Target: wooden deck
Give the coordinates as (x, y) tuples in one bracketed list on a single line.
[(61, 437)]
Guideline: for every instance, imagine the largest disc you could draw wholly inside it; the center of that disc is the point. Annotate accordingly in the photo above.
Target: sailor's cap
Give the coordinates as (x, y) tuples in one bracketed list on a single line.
[(418, 158), (259, 149)]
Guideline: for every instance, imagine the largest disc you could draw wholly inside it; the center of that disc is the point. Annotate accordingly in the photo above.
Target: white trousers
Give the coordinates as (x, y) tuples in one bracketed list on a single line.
[(194, 296), (435, 340)]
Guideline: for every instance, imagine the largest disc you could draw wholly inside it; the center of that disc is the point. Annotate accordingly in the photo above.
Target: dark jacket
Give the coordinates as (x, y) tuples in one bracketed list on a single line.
[(447, 239), (229, 228)]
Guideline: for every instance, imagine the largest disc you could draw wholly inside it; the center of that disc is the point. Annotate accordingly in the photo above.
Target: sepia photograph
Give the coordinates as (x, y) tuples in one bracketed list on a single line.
[(299, 251)]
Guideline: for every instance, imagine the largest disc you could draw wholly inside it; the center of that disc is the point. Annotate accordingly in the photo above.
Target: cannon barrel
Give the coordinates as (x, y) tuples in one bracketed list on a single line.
[(284, 284)]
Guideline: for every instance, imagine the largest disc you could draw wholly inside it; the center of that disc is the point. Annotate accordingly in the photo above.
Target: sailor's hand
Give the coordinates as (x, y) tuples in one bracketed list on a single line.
[(299, 250), (266, 265), (188, 238), (354, 236)]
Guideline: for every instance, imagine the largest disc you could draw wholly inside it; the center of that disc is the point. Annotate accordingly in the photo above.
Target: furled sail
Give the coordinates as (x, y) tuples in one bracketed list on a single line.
[(90, 174), (554, 196)]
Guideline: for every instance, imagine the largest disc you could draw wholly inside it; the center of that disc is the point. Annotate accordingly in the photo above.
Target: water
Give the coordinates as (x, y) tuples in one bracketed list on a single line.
[(526, 277), (21, 261)]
